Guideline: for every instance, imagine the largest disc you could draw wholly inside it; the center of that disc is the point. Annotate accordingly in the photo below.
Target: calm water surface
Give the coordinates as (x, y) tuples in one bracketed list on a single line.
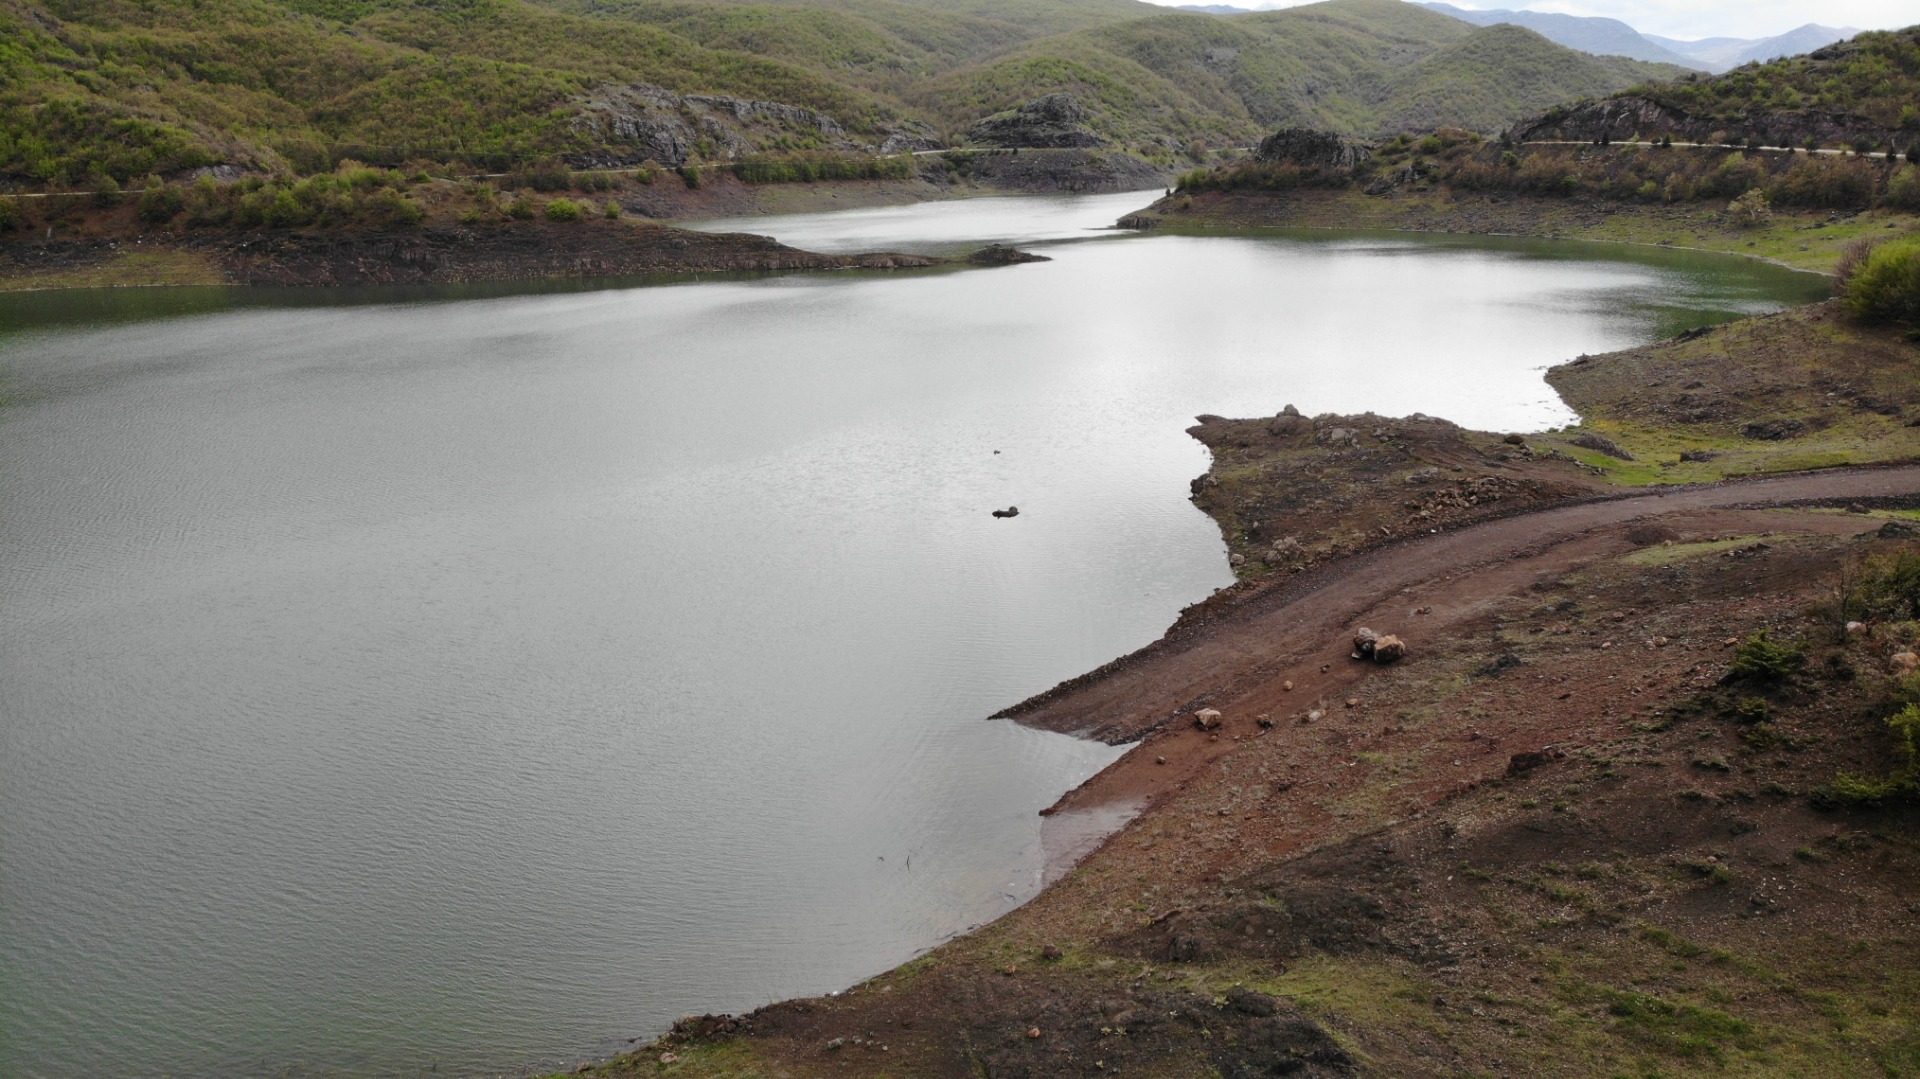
[(472, 680)]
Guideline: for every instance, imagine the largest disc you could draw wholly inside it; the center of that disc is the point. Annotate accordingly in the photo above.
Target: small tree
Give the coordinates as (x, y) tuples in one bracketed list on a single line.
[(1751, 210)]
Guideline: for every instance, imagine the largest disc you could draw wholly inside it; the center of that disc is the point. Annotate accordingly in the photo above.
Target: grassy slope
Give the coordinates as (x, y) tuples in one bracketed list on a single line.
[(1875, 75), (1357, 66), (129, 88)]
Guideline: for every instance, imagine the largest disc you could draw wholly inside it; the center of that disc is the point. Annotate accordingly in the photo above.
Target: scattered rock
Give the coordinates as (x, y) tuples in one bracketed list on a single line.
[(1515, 440), (1898, 530), (1249, 1002), (1003, 255), (1599, 444), (1364, 641), (1287, 685), (1033, 1032), (1052, 954), (1903, 663), (1207, 718), (1773, 430), (1687, 456), (1388, 649), (1527, 762), (835, 1043)]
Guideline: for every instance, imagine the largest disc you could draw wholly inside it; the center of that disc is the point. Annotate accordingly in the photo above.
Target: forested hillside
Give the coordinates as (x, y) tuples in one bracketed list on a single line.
[(129, 88)]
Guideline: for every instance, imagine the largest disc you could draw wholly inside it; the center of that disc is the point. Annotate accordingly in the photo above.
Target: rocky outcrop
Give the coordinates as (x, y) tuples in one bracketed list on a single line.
[(432, 255), (1002, 255), (637, 122), (1630, 116), (1309, 148), (1055, 121)]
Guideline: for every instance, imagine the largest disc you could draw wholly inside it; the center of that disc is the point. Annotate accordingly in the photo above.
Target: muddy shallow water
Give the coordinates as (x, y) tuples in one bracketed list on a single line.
[(475, 679)]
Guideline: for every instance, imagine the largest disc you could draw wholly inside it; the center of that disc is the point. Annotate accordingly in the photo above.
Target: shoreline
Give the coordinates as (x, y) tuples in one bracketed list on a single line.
[(1249, 651), (95, 247)]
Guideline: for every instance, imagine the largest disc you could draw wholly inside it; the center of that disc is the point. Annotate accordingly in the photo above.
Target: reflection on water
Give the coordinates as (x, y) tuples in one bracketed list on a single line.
[(480, 678)]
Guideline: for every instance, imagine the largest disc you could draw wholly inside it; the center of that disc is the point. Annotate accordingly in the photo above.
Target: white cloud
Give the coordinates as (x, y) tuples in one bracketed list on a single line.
[(1694, 18)]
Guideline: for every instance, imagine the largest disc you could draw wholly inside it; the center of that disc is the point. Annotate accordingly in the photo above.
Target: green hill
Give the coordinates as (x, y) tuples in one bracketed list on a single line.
[(125, 88)]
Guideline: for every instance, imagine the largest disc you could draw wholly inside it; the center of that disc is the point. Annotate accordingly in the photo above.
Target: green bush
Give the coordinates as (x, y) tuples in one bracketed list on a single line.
[(10, 216), (107, 192), (159, 204), (1760, 659), (563, 210), (1886, 285), (691, 175), (611, 210), (1849, 789), (521, 209), (1903, 189)]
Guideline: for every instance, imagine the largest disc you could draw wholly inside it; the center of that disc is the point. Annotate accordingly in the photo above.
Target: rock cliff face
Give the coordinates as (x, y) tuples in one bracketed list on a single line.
[(638, 122), (1619, 119), (1053, 122), (1308, 147)]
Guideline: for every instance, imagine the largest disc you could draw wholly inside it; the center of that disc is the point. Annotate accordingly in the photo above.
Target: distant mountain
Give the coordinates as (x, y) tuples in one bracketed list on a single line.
[(1719, 54), (1601, 37), (1215, 9)]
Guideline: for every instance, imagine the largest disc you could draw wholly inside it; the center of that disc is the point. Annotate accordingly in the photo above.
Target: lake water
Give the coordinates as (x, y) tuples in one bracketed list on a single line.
[(475, 679)]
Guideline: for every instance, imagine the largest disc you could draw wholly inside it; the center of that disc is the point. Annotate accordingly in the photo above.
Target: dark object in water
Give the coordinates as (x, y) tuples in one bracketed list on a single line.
[(1010, 511)]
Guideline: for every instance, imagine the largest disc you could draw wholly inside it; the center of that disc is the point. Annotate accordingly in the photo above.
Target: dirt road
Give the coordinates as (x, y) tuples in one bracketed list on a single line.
[(1296, 634)]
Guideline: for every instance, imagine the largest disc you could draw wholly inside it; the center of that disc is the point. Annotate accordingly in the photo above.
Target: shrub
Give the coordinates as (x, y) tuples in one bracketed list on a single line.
[(1851, 789), (1760, 659), (1886, 285), (1751, 210), (10, 216), (106, 192), (521, 209), (691, 175), (159, 204), (610, 210), (1903, 190), (563, 210)]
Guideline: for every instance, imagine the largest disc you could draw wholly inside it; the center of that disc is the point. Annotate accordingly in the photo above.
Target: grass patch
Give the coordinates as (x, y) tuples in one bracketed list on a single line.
[(1667, 554), (127, 269)]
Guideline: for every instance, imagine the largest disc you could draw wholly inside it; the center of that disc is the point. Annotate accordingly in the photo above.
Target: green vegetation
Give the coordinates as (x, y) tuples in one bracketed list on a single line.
[(1754, 183), (1884, 284), (1762, 660), (807, 168), (563, 210), (1875, 76), (96, 93)]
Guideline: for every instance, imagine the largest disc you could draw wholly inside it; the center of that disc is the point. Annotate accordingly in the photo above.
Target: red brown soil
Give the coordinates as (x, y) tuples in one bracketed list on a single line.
[(1383, 889)]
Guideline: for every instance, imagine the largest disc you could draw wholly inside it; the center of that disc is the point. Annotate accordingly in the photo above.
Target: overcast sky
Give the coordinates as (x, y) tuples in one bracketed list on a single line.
[(1691, 19)]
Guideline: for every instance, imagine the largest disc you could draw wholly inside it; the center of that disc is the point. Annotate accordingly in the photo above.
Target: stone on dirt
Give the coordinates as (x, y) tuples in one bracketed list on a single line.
[(1388, 649), (1207, 718)]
